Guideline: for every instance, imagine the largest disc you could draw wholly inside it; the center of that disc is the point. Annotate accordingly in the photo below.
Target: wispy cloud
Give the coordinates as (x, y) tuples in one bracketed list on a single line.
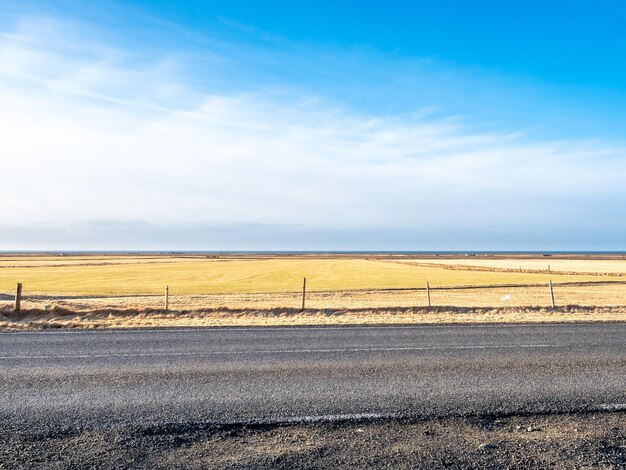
[(94, 132)]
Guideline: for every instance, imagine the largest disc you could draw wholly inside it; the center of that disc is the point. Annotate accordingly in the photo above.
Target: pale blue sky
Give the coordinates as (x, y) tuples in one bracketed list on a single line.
[(328, 125)]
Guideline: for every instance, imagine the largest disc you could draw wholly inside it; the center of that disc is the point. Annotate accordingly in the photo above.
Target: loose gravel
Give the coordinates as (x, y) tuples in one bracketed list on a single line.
[(588, 440)]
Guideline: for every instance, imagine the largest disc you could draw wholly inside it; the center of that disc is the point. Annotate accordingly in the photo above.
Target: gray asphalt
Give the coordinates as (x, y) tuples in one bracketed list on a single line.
[(91, 379)]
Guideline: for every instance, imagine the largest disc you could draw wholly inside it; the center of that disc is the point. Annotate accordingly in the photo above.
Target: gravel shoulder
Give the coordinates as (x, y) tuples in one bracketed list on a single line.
[(590, 440)]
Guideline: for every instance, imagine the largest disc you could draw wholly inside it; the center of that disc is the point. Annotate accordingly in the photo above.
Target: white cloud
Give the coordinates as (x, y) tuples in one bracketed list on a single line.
[(90, 133)]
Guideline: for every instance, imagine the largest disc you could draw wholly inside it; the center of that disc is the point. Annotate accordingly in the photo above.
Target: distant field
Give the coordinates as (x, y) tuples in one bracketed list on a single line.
[(366, 289), (115, 275), (544, 264)]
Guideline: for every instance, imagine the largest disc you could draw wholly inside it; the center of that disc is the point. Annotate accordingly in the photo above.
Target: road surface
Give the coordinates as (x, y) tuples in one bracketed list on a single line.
[(91, 379)]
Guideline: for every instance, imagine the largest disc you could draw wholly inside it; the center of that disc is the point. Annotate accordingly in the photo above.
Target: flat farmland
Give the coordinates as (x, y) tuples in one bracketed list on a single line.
[(100, 276), (363, 289), (607, 267)]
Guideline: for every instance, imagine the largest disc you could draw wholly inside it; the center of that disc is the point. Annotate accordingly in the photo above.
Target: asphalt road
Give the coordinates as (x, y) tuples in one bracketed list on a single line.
[(91, 379)]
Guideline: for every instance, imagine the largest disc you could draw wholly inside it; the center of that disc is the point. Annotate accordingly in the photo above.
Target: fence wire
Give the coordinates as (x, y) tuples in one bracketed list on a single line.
[(583, 294)]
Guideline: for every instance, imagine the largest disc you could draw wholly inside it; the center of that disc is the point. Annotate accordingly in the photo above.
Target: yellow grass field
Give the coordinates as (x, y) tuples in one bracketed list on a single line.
[(590, 266), (93, 276), (127, 291)]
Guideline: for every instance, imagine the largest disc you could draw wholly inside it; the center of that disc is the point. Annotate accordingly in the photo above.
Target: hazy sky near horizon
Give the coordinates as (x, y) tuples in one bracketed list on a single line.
[(273, 125)]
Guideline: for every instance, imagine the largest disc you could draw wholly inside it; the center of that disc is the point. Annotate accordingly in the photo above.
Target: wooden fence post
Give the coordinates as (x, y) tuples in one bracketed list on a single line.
[(428, 292), (18, 297), (551, 293), (303, 294), (167, 298)]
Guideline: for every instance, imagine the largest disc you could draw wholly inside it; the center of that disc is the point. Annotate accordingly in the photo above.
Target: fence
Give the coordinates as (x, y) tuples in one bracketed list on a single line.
[(605, 293)]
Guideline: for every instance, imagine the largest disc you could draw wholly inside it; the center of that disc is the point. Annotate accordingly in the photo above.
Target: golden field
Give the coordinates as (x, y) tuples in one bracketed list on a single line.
[(117, 275), (127, 291), (607, 267)]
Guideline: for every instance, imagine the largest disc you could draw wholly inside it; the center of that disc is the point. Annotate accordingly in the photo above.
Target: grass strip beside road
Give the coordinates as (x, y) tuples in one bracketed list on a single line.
[(147, 318)]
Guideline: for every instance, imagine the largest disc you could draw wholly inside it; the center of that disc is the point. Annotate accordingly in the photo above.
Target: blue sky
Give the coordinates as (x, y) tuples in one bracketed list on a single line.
[(321, 125)]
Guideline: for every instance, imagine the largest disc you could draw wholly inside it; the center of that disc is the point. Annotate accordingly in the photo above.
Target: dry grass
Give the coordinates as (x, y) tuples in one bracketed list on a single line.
[(555, 266), (134, 318), (594, 294), (192, 275), (126, 291)]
